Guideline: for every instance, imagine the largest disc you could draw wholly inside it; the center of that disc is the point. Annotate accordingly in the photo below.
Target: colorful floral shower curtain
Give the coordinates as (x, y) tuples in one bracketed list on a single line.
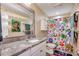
[(60, 33)]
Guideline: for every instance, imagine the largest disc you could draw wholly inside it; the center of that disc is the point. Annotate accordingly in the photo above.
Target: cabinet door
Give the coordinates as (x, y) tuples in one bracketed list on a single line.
[(37, 53), (39, 50), (42, 53), (43, 49), (35, 48), (26, 53)]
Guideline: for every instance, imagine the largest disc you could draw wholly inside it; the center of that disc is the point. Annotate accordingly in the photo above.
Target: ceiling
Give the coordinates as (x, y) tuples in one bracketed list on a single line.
[(52, 9)]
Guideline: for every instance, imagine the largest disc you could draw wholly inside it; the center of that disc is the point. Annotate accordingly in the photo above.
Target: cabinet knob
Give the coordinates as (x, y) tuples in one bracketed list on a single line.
[(41, 50)]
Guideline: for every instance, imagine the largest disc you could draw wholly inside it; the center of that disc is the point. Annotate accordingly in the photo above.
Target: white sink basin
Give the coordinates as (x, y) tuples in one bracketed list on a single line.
[(33, 41)]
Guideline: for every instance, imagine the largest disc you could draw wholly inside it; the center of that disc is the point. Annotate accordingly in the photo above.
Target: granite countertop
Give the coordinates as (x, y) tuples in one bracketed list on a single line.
[(18, 46)]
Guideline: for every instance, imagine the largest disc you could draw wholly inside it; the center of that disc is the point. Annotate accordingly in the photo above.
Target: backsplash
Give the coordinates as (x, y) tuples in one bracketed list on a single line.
[(13, 39)]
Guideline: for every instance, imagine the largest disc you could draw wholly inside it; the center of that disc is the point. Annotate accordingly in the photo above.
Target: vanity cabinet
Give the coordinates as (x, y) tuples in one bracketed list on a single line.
[(38, 50)]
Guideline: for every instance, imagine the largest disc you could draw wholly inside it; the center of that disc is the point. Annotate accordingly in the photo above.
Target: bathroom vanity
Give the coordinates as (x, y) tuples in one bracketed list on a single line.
[(38, 50), (24, 48)]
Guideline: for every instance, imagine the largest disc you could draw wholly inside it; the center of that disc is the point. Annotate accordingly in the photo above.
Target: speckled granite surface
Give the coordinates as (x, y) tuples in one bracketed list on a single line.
[(17, 47)]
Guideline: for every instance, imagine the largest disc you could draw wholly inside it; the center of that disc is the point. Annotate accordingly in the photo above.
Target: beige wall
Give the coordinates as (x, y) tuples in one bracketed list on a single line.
[(39, 15)]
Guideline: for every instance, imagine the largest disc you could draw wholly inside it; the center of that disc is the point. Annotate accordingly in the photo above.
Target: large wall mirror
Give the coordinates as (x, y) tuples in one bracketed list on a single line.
[(17, 21)]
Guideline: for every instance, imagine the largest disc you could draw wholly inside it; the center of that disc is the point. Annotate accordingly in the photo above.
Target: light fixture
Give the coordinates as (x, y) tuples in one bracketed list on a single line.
[(57, 13), (58, 17)]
